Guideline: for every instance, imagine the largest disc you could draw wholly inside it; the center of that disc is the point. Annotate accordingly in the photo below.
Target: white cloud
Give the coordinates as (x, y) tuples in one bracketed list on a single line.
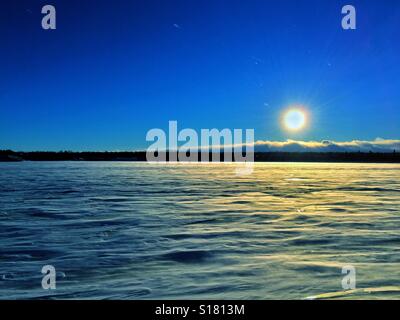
[(377, 145)]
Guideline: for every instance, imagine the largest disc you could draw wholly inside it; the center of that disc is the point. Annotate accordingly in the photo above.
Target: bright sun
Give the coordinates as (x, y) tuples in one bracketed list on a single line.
[(294, 119)]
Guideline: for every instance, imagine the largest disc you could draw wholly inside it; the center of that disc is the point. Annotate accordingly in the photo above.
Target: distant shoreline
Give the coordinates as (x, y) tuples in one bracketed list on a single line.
[(350, 157)]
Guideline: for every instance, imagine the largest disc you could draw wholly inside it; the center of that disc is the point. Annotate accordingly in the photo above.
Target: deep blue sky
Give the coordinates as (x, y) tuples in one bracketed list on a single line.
[(115, 69)]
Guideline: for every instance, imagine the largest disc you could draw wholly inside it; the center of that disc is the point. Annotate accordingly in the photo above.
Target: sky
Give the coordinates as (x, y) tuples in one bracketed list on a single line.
[(113, 70)]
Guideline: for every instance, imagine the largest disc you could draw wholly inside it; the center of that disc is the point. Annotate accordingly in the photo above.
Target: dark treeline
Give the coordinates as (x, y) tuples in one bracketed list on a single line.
[(9, 156)]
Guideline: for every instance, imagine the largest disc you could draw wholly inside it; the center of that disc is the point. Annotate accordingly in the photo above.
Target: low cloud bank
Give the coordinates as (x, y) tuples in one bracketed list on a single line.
[(377, 145)]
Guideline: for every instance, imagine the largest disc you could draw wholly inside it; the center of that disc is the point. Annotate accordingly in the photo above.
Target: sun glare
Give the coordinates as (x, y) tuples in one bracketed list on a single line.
[(294, 119)]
